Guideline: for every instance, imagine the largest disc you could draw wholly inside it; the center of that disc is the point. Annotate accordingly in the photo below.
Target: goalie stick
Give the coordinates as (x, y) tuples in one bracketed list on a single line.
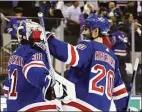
[(51, 69), (132, 81)]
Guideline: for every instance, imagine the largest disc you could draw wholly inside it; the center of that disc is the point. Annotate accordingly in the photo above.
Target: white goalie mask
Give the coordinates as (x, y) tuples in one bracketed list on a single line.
[(30, 30)]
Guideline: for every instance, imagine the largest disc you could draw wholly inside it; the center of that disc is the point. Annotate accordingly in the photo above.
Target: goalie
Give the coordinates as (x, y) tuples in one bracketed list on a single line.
[(28, 81)]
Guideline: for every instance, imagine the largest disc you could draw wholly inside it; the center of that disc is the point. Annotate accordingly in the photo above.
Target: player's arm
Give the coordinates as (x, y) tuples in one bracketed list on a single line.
[(75, 56), (120, 95), (35, 71)]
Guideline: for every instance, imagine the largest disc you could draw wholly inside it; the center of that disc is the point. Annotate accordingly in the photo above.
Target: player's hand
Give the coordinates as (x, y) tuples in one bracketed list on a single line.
[(50, 35), (48, 90), (58, 91)]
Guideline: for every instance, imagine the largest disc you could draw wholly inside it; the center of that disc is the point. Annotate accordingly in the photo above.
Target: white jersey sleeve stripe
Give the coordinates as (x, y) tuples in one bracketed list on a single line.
[(120, 96), (73, 56), (69, 55), (118, 88), (77, 58), (5, 90), (28, 66)]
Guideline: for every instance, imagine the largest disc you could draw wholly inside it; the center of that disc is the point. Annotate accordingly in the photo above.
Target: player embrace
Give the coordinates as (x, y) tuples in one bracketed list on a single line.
[(94, 68)]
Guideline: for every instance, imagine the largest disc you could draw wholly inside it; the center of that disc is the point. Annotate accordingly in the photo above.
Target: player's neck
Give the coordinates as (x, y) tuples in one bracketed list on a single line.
[(99, 39)]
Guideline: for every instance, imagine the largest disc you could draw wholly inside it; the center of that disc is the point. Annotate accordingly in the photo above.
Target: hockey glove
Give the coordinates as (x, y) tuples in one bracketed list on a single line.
[(50, 35), (58, 91)]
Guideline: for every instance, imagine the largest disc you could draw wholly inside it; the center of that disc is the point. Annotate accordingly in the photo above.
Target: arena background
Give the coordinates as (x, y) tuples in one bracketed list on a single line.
[(58, 25)]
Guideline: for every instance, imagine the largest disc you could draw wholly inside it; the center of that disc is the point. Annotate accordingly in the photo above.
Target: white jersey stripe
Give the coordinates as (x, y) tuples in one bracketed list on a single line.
[(77, 57), (118, 88), (120, 96), (28, 66), (69, 55)]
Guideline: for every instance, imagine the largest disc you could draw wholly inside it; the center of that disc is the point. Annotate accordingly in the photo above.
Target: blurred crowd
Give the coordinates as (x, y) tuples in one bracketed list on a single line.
[(120, 15)]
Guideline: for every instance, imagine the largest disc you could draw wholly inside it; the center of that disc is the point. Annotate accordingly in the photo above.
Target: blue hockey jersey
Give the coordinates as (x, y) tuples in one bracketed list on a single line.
[(119, 41), (12, 27), (94, 71), (28, 71)]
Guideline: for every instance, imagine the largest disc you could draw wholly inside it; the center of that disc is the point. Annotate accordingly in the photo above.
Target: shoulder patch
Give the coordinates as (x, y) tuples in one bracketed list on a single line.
[(81, 46)]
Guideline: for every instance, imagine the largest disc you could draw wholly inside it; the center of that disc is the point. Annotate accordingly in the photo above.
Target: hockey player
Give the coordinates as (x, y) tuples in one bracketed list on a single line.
[(94, 69), (28, 77), (120, 46)]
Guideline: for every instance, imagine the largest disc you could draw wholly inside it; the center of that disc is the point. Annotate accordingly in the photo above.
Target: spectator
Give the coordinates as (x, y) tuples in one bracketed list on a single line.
[(82, 16), (2, 28), (54, 17), (88, 8), (62, 5), (73, 12), (72, 16), (102, 12), (44, 7), (138, 37), (114, 11), (13, 25), (128, 19), (131, 8), (113, 25)]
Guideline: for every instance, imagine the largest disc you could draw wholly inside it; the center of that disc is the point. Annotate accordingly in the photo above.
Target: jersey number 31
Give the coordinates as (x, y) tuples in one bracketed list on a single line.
[(99, 86)]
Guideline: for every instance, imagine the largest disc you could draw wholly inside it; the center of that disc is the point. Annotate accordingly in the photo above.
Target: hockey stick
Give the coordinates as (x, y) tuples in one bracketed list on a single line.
[(51, 69), (132, 81)]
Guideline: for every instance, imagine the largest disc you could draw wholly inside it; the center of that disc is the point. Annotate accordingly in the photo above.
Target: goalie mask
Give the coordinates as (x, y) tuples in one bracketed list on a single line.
[(29, 30)]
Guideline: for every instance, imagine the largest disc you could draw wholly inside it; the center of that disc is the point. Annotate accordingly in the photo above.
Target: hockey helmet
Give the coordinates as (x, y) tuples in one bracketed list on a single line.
[(96, 21)]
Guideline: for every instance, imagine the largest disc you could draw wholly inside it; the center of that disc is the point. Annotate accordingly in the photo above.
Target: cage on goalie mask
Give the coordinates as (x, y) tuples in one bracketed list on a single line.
[(95, 21), (30, 31)]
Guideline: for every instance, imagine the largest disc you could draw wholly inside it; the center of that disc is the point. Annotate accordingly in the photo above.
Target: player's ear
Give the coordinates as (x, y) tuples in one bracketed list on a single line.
[(95, 33)]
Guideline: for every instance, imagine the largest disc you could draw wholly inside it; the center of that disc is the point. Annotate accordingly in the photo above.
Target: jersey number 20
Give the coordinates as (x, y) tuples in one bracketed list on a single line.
[(96, 84)]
